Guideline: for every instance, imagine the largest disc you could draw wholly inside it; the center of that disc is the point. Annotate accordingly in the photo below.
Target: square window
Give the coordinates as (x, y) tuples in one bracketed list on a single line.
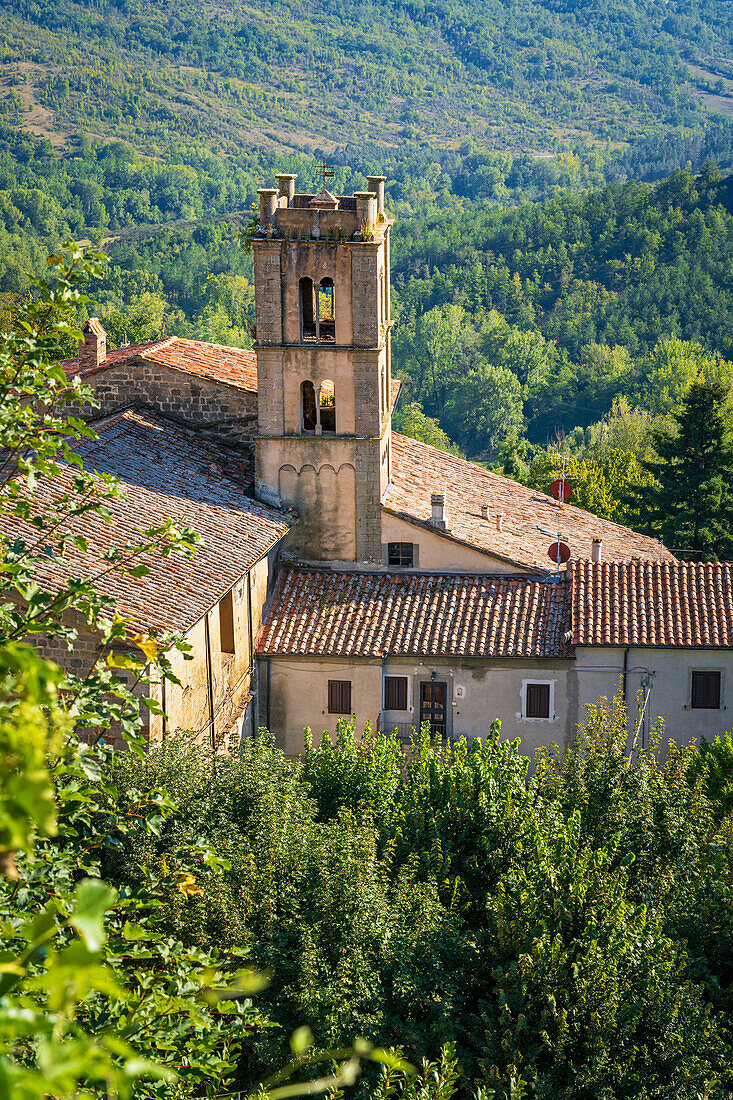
[(395, 693), (537, 703), (400, 554), (339, 697), (705, 691)]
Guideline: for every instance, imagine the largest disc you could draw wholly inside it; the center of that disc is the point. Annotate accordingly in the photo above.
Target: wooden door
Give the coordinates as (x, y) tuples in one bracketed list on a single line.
[(433, 694)]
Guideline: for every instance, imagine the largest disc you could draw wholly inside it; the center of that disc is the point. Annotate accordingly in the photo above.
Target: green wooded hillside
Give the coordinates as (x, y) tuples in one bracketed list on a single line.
[(533, 74)]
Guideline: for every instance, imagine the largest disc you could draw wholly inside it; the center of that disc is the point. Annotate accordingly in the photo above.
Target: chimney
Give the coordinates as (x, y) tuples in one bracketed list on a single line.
[(93, 348), (268, 206), (437, 503), (366, 209), (596, 553), (499, 521), (376, 184), (484, 511), (286, 188)]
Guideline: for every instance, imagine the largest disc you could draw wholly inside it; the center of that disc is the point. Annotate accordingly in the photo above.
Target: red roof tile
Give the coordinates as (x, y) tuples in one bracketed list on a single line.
[(359, 614), (230, 366), (652, 603), (167, 472), (419, 470)]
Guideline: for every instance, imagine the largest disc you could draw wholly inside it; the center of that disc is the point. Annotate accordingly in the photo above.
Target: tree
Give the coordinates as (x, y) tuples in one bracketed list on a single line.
[(600, 485), (412, 421), (483, 408), (691, 505), (672, 368)]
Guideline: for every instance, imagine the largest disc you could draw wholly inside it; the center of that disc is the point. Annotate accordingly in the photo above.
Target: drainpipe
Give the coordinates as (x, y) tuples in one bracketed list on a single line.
[(267, 696), (251, 649), (209, 682), (162, 706), (625, 674)]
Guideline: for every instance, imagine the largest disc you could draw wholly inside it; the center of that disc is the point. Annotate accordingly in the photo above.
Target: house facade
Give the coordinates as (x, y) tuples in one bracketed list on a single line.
[(348, 571)]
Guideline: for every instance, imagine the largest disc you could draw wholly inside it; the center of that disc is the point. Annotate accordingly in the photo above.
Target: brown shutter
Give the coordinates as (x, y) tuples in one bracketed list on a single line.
[(706, 690), (538, 701), (395, 693), (339, 696)]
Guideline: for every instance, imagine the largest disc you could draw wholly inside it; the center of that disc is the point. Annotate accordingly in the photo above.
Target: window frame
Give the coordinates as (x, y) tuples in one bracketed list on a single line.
[(227, 631), (402, 564), (399, 684), (707, 673), (335, 701), (550, 685)]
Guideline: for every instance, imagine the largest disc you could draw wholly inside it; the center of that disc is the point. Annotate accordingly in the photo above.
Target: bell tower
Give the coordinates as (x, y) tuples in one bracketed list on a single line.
[(323, 365)]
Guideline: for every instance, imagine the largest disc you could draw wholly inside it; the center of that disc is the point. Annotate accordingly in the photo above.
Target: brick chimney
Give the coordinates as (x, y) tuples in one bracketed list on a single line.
[(93, 348)]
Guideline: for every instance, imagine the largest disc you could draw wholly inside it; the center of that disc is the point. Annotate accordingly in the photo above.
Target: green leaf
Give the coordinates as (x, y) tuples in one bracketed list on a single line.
[(132, 931), (93, 899)]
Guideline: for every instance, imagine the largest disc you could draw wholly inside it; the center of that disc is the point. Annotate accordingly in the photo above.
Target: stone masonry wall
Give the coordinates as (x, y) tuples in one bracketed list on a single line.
[(368, 510), (227, 412)]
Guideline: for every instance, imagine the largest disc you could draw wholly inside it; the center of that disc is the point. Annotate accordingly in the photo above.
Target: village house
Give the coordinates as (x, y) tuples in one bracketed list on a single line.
[(346, 570)]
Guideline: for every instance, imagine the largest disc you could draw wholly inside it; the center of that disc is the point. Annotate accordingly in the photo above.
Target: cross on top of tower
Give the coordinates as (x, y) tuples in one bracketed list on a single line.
[(327, 172)]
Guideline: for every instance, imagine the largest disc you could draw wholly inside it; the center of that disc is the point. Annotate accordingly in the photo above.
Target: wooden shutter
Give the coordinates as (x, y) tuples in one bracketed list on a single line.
[(226, 623), (538, 701), (706, 690), (395, 693), (339, 696)]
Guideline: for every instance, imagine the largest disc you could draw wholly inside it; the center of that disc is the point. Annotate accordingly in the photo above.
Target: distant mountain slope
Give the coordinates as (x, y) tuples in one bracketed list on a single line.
[(525, 74)]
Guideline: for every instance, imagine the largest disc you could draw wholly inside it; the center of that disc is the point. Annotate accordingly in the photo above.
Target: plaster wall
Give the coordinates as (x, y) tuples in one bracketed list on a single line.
[(438, 552), (478, 691), (599, 672)]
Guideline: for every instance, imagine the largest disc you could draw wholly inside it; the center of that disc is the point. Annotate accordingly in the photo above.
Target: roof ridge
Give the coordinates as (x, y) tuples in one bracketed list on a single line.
[(158, 345), (211, 344)]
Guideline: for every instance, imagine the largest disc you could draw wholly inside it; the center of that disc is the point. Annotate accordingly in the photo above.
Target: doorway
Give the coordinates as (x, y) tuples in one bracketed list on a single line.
[(433, 694)]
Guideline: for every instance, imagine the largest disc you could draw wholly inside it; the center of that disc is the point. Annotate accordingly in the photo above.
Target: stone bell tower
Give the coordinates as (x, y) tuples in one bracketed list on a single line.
[(323, 365)]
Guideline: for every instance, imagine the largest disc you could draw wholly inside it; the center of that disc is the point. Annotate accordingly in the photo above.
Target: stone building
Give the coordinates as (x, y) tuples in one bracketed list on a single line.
[(213, 601), (367, 574)]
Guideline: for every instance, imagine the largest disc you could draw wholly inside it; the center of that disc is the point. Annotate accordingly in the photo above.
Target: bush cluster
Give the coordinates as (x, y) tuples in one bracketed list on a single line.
[(568, 933)]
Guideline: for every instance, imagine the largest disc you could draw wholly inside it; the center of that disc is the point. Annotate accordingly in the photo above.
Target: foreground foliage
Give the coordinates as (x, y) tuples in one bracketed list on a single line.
[(569, 935), (98, 996)]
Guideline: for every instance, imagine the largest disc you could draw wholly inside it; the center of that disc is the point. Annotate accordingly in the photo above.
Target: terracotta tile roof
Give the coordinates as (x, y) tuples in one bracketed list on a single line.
[(652, 603), (167, 471), (419, 470), (360, 614), (230, 366)]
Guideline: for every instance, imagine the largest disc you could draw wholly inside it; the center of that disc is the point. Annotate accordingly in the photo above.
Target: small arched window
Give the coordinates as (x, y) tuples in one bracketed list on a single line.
[(308, 409), (327, 406), (326, 311), (308, 311)]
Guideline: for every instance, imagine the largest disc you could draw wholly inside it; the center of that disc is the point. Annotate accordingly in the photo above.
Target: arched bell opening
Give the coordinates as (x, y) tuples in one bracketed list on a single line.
[(326, 311), (327, 407), (308, 311), (308, 408)]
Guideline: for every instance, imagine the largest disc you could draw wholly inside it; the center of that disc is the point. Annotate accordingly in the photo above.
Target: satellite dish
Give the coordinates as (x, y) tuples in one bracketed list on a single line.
[(561, 489), (559, 552)]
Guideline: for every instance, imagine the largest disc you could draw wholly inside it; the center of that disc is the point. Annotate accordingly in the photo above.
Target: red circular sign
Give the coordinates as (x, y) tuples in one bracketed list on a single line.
[(559, 552), (561, 489)]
